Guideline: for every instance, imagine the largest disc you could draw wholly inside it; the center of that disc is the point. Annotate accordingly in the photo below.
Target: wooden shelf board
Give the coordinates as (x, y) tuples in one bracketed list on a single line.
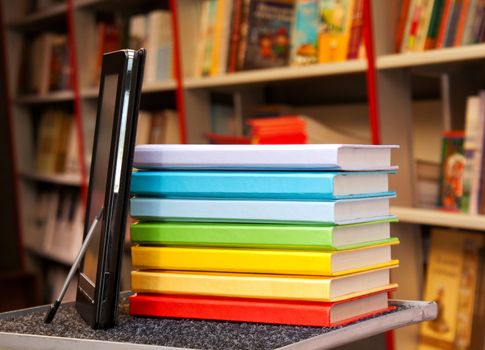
[(260, 76), (50, 255), (438, 56), (60, 179), (167, 85), (58, 96), (439, 218), (45, 15)]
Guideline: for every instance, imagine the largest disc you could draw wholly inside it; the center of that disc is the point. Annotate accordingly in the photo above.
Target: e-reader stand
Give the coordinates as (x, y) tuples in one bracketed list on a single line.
[(55, 306)]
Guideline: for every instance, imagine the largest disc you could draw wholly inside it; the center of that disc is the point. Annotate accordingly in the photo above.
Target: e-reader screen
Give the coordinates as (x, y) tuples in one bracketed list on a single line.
[(101, 164)]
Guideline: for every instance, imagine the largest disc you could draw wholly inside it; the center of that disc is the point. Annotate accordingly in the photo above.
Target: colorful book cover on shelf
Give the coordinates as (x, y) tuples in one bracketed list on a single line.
[(268, 39), (434, 24), (452, 170), (260, 185), (303, 237), (288, 262), (305, 32), (334, 31), (264, 286), (452, 274), (318, 314)]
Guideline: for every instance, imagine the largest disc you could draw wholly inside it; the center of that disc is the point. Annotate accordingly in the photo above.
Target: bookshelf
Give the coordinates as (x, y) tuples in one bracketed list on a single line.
[(390, 116)]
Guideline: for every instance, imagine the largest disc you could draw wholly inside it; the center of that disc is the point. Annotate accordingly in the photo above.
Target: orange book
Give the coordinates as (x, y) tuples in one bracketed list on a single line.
[(403, 15)]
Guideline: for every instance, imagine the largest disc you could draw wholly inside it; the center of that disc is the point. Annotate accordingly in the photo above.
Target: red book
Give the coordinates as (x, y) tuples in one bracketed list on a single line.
[(219, 139), (301, 313), (235, 36), (282, 139), (274, 121)]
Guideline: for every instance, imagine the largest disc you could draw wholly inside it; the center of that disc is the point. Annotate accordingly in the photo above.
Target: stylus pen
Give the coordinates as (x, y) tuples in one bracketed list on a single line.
[(52, 312)]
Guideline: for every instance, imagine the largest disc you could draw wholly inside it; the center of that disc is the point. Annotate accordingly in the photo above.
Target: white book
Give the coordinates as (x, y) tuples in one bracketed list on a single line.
[(264, 157), (339, 212)]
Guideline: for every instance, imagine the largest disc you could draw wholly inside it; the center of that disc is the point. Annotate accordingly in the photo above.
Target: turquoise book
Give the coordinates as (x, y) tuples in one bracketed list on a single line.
[(278, 185)]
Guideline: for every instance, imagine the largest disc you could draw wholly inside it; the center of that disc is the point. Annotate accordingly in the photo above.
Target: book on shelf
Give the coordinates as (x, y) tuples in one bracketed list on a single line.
[(157, 127), (260, 185), (252, 34), (335, 29), (287, 262), (340, 212), (430, 24), (305, 33), (56, 229), (45, 65), (452, 169), (264, 286), (303, 237), (451, 281), (268, 39), (53, 153), (319, 314), (270, 157)]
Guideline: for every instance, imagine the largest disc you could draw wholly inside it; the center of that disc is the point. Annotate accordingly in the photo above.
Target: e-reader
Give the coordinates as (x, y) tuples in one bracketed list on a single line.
[(109, 186)]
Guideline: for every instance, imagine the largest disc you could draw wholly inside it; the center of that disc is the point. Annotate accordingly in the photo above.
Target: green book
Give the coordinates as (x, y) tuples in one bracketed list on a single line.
[(310, 237)]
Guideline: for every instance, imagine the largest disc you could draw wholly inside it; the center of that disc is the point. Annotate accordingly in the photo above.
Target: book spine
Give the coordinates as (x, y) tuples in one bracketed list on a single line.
[(473, 11), (465, 8), (262, 311), (357, 30), (233, 285), (444, 23), (453, 23), (247, 5), (234, 235), (403, 15), (221, 5), (436, 15), (232, 260), (424, 24), (235, 36)]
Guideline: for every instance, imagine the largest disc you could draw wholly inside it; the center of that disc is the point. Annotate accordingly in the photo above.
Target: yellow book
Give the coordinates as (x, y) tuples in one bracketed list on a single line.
[(451, 281), (334, 35), (262, 286), (218, 33), (289, 262)]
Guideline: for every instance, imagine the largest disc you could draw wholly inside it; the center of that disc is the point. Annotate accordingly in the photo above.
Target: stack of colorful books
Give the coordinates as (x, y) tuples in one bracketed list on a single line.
[(286, 234)]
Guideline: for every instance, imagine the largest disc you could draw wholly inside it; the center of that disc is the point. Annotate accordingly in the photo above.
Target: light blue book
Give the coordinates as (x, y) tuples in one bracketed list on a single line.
[(260, 185), (344, 211)]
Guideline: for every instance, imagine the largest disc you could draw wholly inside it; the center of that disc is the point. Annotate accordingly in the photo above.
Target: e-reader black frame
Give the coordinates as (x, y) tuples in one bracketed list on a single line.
[(98, 307)]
